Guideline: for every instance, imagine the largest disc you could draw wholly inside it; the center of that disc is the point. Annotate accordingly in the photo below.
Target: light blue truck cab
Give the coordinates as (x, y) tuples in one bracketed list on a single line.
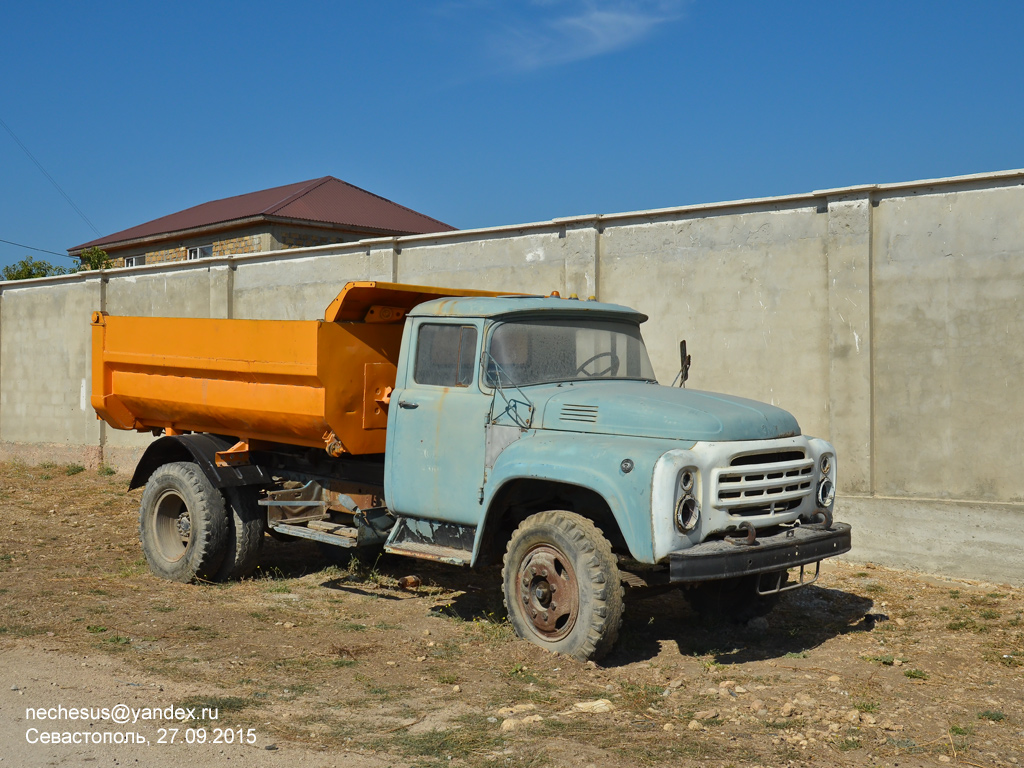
[(532, 431)]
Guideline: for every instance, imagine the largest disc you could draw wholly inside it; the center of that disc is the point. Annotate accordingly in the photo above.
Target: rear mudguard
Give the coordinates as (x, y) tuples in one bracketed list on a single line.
[(201, 449)]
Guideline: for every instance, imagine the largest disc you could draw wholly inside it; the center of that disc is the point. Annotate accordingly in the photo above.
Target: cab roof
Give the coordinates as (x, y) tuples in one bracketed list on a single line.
[(502, 306), (372, 301)]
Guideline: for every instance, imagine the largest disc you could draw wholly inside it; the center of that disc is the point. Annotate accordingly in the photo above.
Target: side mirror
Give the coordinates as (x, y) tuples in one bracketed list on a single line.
[(684, 363)]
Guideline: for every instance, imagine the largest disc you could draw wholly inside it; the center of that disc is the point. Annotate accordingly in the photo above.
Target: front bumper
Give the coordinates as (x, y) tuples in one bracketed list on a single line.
[(728, 558)]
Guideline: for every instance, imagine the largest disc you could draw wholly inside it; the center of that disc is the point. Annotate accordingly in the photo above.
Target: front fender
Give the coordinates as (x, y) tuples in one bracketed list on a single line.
[(589, 461)]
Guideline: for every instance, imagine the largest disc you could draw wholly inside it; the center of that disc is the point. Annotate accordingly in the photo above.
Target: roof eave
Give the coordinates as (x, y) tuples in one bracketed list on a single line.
[(222, 226), (359, 229)]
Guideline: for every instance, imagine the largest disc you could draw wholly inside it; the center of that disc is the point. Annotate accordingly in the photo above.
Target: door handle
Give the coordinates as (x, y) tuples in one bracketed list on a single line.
[(407, 404)]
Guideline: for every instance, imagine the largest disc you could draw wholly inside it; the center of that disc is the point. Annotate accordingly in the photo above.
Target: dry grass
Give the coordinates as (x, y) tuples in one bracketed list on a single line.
[(344, 658)]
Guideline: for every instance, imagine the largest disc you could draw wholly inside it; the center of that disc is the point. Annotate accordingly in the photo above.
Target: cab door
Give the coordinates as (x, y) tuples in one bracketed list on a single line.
[(435, 448)]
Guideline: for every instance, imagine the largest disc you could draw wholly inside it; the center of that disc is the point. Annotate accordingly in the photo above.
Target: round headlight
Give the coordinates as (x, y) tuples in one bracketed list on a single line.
[(687, 513), (826, 493), (686, 481), (825, 464)]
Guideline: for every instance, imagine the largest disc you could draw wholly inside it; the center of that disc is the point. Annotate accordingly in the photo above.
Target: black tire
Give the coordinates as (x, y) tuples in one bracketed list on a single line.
[(182, 524), (560, 550), (735, 600), (246, 523)]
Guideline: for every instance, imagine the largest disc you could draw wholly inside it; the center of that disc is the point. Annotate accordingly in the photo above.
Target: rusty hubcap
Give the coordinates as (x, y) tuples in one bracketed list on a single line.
[(547, 589)]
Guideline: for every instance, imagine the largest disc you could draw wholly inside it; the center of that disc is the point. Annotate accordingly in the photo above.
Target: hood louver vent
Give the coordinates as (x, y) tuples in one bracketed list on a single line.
[(579, 413)]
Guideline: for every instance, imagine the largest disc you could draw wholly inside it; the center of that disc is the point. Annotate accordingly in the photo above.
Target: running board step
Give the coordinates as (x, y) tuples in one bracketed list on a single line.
[(338, 535), (432, 540), (336, 528), (431, 552)]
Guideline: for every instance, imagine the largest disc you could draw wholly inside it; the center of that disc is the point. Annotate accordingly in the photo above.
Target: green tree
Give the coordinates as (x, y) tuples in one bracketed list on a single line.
[(28, 268), (93, 258)]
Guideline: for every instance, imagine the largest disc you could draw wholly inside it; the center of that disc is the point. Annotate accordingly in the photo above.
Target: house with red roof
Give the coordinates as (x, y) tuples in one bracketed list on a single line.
[(317, 212)]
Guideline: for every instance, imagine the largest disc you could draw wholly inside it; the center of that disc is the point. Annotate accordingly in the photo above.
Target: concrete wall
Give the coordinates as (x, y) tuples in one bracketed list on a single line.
[(45, 390), (887, 318), (745, 288), (948, 286)]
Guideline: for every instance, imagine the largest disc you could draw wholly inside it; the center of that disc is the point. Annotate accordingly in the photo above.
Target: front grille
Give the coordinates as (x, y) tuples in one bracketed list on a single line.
[(766, 458), (766, 483), (583, 413)]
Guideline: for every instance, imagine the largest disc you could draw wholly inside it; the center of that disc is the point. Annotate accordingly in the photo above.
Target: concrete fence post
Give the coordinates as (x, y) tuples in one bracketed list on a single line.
[(221, 289), (850, 402), (580, 251), (383, 259)]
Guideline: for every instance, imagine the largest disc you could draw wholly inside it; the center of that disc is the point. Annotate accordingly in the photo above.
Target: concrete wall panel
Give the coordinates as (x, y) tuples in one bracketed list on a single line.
[(530, 263), (301, 288), (746, 289), (45, 363), (193, 289), (949, 358), (850, 403)]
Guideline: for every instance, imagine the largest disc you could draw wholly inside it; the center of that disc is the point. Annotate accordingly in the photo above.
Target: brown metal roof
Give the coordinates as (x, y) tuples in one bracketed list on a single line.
[(326, 200)]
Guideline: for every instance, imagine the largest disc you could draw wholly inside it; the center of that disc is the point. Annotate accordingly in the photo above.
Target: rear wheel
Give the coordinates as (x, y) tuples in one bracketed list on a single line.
[(562, 586), (244, 539), (182, 523)]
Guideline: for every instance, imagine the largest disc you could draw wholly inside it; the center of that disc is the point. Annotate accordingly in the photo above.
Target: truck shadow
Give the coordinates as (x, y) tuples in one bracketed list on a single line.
[(804, 618)]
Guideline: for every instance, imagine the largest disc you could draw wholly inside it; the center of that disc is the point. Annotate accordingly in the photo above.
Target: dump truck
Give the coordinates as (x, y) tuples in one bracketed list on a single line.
[(470, 428)]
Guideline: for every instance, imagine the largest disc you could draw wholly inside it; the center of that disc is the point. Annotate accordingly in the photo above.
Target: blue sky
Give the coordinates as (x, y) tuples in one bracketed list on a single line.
[(486, 112)]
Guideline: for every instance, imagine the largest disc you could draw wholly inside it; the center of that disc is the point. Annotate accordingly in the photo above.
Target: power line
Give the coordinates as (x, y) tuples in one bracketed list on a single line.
[(43, 250), (52, 181)]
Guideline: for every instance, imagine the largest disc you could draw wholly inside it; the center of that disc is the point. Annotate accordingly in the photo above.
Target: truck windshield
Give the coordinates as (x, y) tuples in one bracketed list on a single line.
[(525, 352)]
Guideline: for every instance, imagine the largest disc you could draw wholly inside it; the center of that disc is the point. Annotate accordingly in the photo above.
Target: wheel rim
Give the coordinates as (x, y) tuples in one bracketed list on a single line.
[(173, 526), (547, 592)]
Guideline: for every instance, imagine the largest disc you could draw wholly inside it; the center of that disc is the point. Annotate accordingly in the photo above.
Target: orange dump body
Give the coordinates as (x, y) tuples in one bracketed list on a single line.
[(318, 383)]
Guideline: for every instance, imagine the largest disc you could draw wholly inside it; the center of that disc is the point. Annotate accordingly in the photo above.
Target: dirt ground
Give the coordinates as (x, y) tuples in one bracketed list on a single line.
[(330, 666)]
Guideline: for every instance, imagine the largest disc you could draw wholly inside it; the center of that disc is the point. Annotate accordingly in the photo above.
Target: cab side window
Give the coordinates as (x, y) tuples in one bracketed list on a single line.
[(445, 355)]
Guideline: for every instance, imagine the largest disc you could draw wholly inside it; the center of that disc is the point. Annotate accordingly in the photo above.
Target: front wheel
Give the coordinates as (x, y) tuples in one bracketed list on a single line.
[(183, 525), (562, 586)]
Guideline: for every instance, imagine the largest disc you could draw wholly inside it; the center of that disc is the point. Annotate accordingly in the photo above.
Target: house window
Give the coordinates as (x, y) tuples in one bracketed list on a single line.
[(200, 252), (130, 261)]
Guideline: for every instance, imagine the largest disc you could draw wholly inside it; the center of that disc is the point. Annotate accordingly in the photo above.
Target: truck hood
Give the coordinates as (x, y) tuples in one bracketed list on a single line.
[(639, 409)]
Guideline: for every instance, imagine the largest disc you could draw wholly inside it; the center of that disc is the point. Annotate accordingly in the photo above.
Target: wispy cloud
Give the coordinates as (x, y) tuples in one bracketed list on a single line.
[(562, 31)]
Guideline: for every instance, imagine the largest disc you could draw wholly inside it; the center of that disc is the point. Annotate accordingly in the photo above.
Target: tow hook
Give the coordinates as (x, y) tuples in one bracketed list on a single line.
[(747, 526)]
